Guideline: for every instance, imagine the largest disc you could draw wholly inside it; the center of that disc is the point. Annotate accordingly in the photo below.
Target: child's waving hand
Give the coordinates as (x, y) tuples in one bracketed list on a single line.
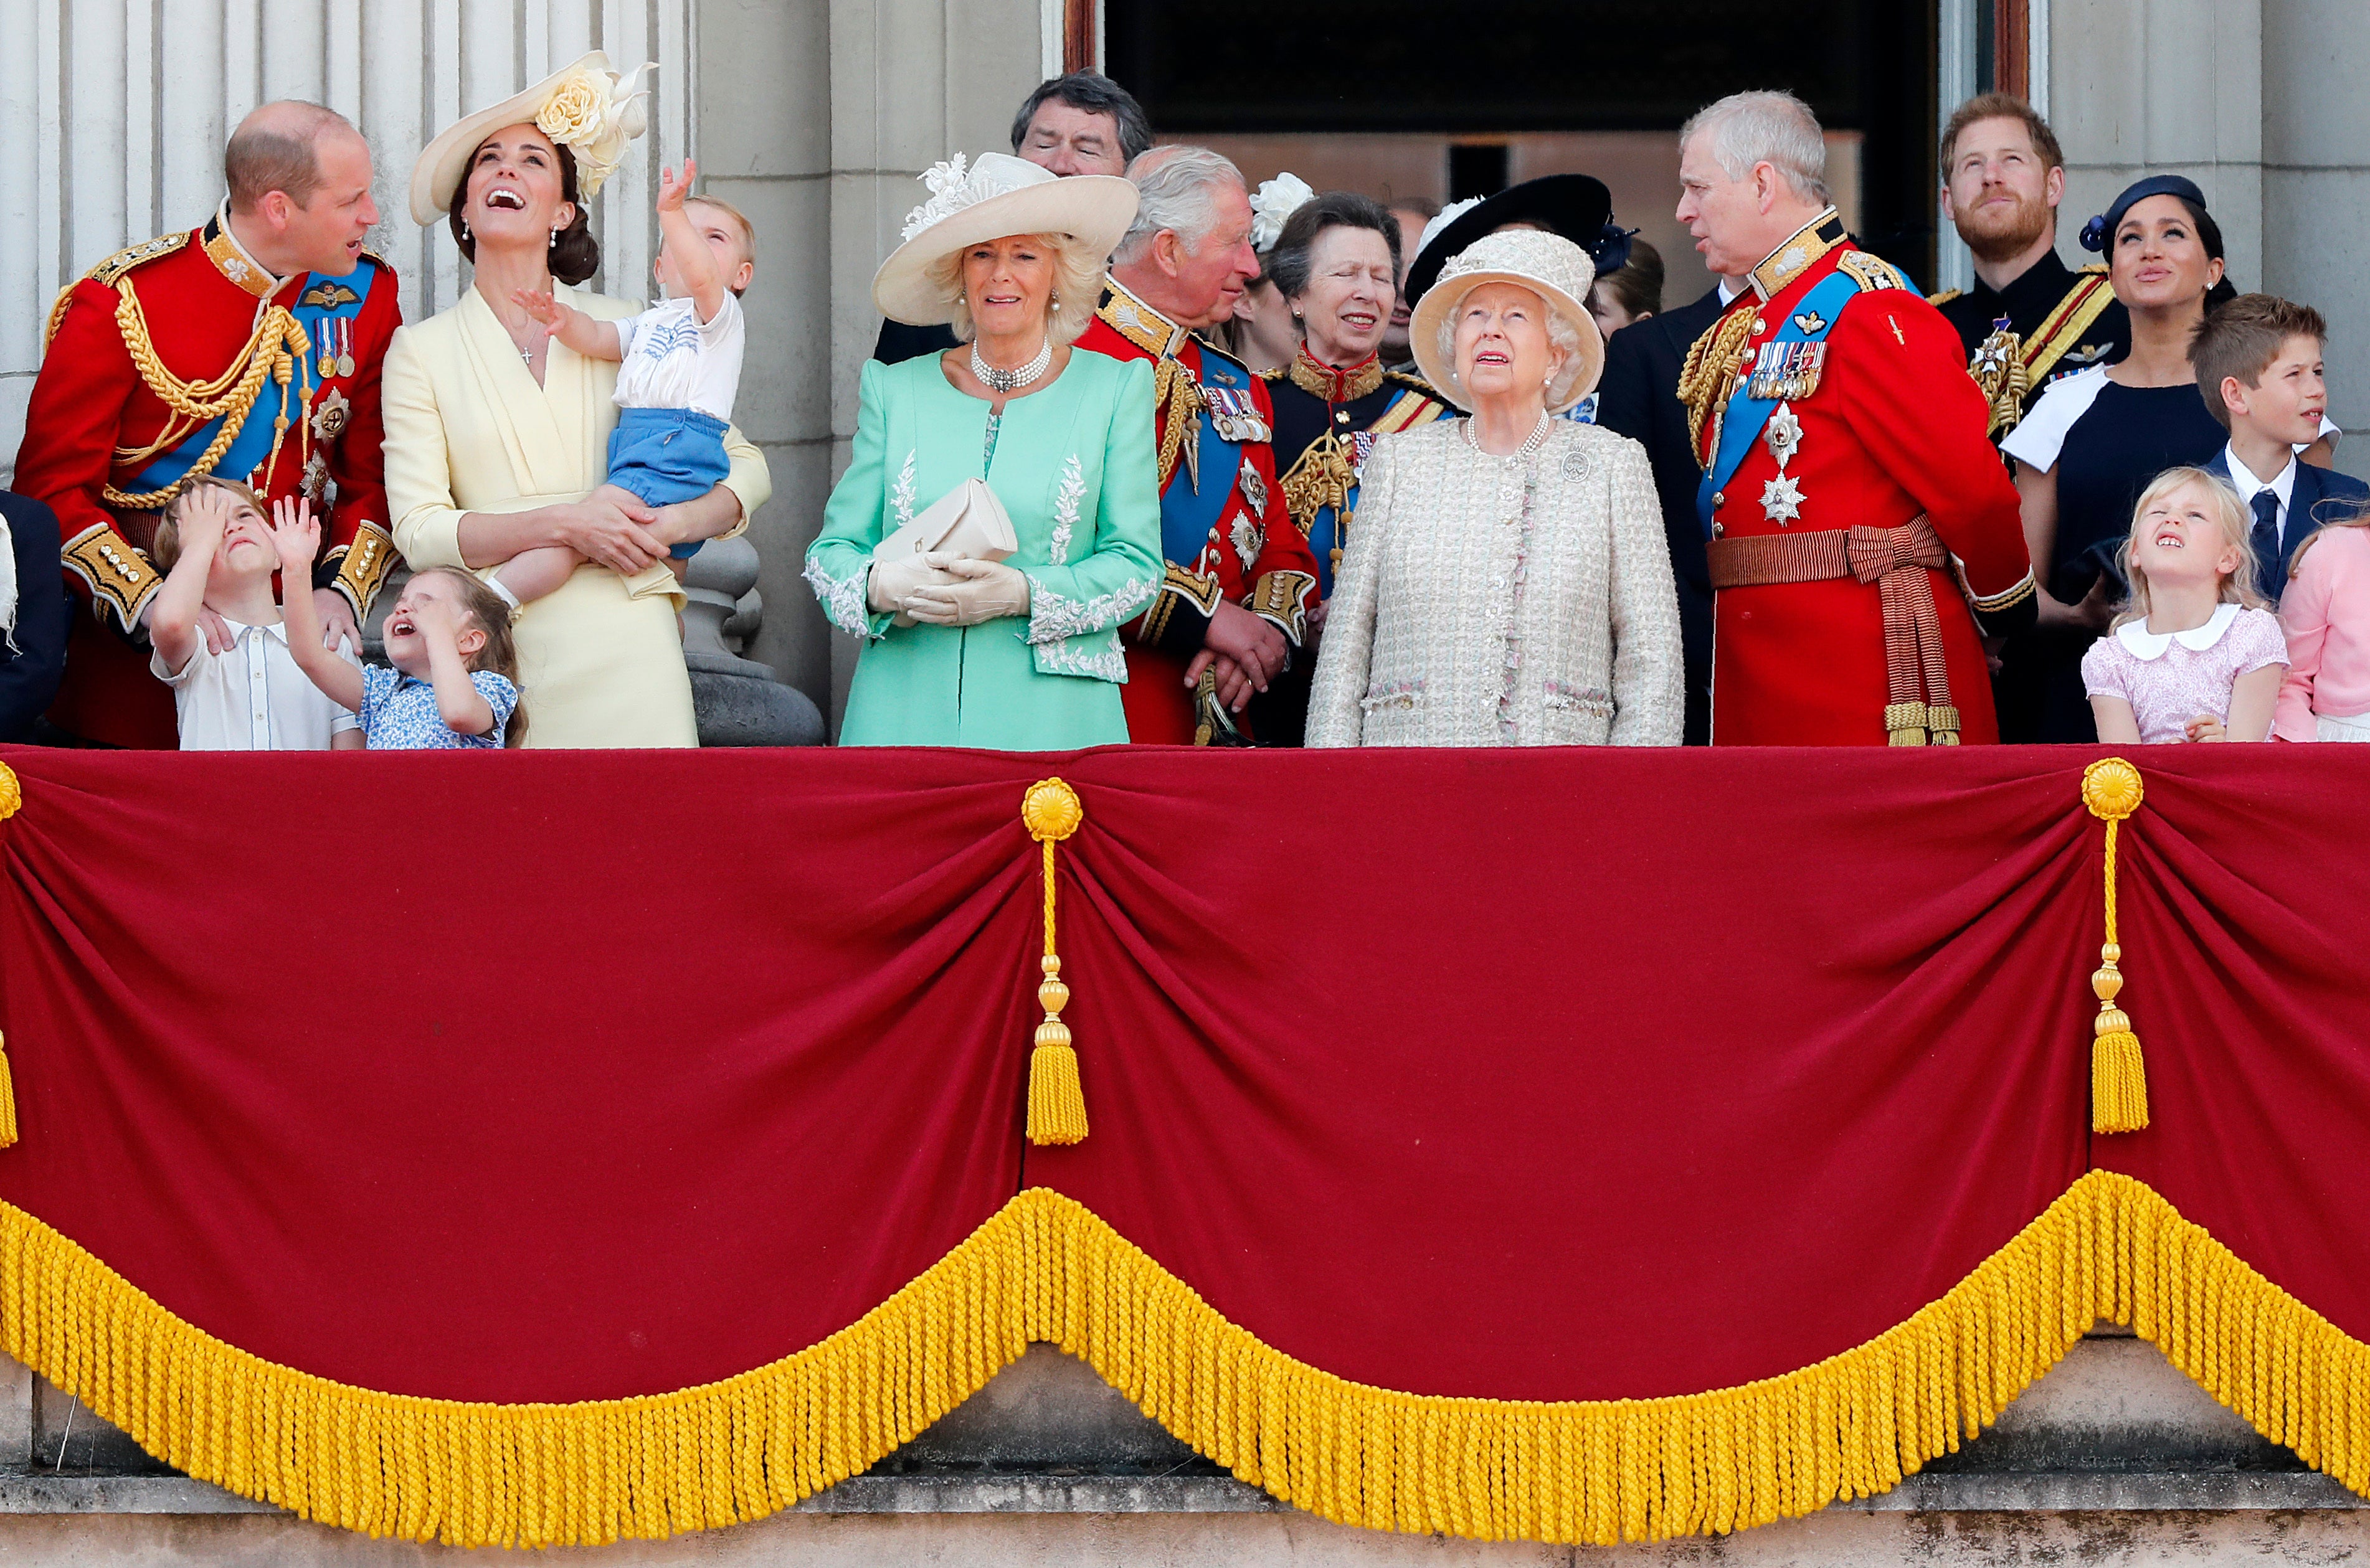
[(295, 536)]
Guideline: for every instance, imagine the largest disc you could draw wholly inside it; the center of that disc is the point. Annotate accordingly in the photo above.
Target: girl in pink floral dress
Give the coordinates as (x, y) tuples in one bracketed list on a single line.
[(2195, 655)]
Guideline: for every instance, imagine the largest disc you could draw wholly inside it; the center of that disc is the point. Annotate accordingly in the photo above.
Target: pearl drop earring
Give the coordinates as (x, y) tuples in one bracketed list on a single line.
[(555, 240), (465, 230)]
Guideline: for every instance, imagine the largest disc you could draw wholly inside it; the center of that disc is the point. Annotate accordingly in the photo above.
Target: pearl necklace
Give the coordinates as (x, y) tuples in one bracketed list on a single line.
[(996, 380), (1531, 444)]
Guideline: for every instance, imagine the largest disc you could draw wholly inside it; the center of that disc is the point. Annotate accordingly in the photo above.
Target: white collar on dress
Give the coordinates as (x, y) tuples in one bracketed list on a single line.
[(2144, 644)]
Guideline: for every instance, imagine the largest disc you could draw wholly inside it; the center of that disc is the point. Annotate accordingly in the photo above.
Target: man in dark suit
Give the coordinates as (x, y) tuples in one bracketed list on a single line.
[(1081, 123), (2259, 367), (1637, 396)]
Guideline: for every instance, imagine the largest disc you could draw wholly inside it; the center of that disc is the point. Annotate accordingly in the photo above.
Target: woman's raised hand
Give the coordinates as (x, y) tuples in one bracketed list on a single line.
[(615, 534)]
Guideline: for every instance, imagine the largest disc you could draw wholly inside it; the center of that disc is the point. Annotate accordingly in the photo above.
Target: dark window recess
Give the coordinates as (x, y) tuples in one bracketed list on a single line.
[(1491, 67), (1476, 168)]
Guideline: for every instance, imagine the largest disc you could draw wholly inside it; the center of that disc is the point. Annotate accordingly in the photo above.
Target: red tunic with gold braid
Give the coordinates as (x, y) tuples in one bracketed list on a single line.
[(1850, 577), (190, 319), (1224, 527)]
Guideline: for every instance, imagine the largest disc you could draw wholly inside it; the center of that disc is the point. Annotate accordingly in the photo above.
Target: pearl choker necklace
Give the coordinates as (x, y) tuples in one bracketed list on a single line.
[(1531, 444), (996, 380)]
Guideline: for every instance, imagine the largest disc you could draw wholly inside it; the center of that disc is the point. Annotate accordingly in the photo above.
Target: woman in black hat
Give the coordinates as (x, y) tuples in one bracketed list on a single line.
[(2096, 437)]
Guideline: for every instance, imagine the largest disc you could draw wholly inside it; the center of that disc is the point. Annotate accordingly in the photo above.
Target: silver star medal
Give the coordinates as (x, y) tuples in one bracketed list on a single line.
[(1781, 499)]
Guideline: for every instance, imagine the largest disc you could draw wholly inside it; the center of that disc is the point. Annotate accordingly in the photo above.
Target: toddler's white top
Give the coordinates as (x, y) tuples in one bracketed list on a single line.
[(673, 360)]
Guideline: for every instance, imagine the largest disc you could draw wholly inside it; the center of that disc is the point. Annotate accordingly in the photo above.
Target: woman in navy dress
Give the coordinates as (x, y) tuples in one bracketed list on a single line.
[(2094, 440)]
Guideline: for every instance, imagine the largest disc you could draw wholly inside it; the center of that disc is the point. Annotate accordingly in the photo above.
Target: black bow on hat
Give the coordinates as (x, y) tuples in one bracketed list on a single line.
[(1576, 206), (2099, 230)]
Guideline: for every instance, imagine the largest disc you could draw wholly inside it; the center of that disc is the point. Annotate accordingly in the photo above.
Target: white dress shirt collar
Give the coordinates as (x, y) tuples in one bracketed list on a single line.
[(2243, 480)]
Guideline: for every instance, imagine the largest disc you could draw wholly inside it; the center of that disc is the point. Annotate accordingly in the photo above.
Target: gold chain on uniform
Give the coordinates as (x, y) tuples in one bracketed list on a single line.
[(1179, 396), (1708, 377), (276, 347)]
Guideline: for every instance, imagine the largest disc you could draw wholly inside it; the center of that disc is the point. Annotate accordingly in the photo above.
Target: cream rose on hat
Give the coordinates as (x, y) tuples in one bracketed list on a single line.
[(586, 107)]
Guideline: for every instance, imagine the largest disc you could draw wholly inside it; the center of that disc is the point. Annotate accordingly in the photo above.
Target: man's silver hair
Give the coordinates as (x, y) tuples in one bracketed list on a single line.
[(1178, 186), (1772, 128)]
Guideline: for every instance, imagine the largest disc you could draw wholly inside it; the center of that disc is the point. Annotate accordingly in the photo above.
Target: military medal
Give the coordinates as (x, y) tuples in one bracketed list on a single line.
[(1254, 490), (1783, 434), (1786, 370), (345, 346), (1781, 499)]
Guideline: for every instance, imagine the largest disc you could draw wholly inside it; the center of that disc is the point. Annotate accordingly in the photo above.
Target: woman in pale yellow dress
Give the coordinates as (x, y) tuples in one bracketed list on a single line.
[(496, 434)]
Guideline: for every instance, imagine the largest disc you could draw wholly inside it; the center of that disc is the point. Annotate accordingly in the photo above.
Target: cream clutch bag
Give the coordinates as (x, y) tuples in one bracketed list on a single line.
[(967, 521)]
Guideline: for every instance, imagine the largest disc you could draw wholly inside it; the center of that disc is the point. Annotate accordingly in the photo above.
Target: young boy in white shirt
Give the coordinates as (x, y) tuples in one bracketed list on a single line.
[(680, 368), (217, 554)]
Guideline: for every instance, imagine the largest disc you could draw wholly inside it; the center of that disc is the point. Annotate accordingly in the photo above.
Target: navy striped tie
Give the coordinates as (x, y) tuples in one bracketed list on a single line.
[(2267, 544)]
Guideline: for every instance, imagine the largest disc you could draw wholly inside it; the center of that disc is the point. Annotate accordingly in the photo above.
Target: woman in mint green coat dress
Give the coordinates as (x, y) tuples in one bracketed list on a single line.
[(1023, 655)]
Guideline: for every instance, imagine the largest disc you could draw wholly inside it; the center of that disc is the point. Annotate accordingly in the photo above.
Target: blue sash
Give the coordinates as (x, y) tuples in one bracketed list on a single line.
[(332, 300), (1747, 413), (1187, 515)]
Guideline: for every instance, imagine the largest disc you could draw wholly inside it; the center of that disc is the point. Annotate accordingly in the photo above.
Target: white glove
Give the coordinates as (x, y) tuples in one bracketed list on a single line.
[(983, 590), (891, 583)]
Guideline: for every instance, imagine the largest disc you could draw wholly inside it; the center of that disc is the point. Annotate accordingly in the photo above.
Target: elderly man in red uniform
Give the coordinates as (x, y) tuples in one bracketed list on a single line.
[(1235, 606), (248, 347), (1860, 526)]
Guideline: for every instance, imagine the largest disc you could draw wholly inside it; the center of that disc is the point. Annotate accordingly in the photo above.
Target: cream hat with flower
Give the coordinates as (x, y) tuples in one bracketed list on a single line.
[(1550, 267), (586, 107), (997, 196)]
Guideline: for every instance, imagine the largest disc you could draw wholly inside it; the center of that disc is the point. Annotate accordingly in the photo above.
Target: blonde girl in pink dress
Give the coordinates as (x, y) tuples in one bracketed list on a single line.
[(2194, 654)]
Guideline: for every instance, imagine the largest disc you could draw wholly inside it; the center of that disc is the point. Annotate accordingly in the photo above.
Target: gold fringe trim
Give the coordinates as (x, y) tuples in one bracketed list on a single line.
[(1044, 1267)]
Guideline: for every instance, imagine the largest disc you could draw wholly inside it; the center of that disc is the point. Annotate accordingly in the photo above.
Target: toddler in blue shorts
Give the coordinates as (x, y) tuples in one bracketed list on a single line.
[(679, 367)]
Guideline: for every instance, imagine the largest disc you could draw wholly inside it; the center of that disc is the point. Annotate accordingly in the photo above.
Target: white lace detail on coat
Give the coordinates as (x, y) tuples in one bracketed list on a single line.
[(1101, 658), (1071, 490), (1052, 617), (901, 494), (842, 599)]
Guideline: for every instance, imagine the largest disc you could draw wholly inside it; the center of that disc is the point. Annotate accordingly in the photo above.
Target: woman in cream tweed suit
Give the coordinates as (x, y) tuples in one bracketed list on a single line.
[(1509, 584)]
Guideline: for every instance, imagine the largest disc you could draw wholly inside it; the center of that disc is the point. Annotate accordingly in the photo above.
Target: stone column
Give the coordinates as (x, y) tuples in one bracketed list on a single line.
[(2316, 186), (2163, 86)]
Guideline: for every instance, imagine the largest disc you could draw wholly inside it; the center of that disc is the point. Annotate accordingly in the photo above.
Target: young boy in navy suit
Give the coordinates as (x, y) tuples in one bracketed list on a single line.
[(2259, 367)]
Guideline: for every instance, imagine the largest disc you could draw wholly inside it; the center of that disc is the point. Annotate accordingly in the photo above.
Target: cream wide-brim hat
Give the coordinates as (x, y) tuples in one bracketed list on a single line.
[(1550, 267), (444, 164), (999, 195)]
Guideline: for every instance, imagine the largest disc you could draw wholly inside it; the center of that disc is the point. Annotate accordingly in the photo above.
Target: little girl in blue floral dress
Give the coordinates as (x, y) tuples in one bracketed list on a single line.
[(455, 681)]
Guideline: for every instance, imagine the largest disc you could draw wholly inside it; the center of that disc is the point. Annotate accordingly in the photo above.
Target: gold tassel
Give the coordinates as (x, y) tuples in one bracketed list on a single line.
[(12, 796), (7, 1102), (2110, 789), (1057, 1106)]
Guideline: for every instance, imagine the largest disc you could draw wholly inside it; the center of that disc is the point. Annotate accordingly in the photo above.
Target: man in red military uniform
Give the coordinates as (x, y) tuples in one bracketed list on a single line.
[(1860, 527), (248, 347), (1235, 606)]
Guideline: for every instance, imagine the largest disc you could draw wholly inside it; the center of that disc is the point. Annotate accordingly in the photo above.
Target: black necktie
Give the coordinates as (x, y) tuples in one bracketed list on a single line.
[(2267, 544)]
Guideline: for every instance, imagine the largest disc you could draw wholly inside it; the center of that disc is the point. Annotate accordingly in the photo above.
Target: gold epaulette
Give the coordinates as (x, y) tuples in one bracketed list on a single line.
[(108, 270), (1944, 296), (1279, 375), (1872, 272)]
